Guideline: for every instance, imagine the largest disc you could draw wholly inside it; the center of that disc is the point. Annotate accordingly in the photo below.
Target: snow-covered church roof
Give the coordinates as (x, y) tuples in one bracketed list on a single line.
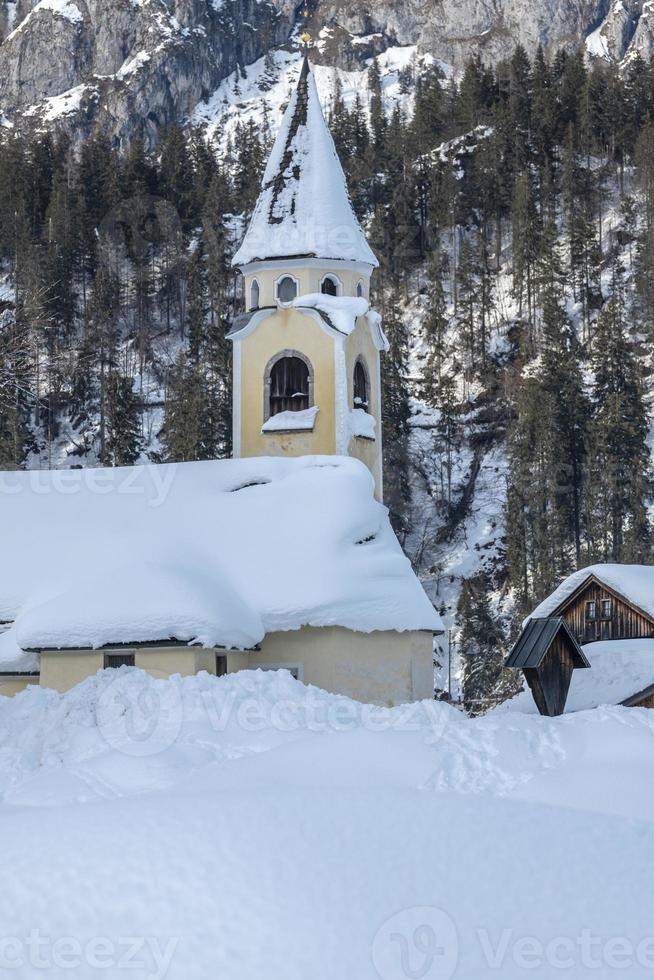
[(218, 553), (304, 209)]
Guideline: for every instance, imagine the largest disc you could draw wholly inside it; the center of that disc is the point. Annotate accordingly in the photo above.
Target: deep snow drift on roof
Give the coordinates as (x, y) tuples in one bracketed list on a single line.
[(634, 582), (304, 208), (220, 553)]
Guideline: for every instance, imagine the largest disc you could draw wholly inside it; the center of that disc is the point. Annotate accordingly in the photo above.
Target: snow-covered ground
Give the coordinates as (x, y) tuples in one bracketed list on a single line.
[(266, 89), (250, 828)]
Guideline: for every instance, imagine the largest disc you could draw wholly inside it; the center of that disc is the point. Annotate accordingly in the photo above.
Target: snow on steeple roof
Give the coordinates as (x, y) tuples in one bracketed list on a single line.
[(304, 208)]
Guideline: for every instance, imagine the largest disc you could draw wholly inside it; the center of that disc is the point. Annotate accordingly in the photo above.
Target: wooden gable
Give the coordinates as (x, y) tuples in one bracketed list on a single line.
[(597, 612)]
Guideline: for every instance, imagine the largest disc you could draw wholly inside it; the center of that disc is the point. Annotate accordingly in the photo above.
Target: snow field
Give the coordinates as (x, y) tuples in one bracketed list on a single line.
[(248, 827)]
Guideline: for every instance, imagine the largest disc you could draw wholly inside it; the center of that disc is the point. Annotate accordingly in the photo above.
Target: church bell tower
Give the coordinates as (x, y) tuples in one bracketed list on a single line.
[(307, 351)]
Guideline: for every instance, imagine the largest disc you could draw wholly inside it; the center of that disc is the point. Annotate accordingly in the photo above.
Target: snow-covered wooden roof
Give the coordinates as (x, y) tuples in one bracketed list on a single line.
[(634, 583), (304, 209), (219, 553)]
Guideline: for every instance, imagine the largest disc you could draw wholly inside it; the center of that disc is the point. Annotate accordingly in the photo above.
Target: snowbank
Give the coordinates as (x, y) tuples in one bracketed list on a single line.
[(619, 670), (218, 553), (251, 827)]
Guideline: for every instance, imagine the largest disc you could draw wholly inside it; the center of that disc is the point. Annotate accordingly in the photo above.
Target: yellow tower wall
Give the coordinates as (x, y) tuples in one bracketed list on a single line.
[(289, 330), (309, 280), (332, 356)]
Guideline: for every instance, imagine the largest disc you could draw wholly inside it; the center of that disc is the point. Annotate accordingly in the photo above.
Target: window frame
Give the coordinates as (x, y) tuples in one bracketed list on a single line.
[(287, 303), (606, 617), (253, 284), (361, 290), (591, 618), (337, 283), (127, 658), (267, 380), (361, 362)]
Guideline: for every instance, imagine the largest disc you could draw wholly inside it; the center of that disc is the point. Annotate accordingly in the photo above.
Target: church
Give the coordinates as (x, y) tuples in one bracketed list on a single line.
[(280, 558)]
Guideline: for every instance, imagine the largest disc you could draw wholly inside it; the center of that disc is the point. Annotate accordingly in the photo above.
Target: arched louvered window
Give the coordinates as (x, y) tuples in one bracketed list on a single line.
[(290, 385), (286, 289), (329, 286), (361, 386), (254, 295)]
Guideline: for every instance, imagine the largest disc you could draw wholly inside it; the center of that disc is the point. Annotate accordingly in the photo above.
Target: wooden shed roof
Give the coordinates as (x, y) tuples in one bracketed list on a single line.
[(537, 638)]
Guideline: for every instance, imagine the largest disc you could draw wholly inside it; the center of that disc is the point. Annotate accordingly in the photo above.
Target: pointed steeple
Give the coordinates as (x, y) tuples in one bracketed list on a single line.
[(304, 209)]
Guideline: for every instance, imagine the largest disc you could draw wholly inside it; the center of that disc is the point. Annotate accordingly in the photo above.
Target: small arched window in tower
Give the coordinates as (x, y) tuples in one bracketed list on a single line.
[(254, 295), (289, 386), (361, 386), (286, 289), (329, 286), (360, 289)]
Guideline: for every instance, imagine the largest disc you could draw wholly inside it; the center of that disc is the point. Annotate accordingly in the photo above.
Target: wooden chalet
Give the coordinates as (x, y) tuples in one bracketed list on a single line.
[(595, 611), (595, 605)]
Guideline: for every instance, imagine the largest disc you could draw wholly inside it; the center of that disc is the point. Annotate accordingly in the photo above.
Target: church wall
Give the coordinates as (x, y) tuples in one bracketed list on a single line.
[(360, 344), (11, 684), (287, 330), (385, 668)]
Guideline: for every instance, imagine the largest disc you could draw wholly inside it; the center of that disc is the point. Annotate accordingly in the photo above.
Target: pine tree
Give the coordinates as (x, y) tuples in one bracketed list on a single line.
[(181, 433), (396, 413), (123, 421), (485, 683), (526, 242), (435, 325), (617, 519)]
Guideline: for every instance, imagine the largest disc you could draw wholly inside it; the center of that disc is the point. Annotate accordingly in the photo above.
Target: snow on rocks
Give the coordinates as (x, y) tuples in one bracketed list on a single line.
[(66, 9), (292, 421), (60, 105), (219, 553)]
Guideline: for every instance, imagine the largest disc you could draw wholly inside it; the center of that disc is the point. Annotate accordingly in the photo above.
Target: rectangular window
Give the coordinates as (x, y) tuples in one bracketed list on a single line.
[(113, 660), (607, 609), (221, 666), (591, 611)]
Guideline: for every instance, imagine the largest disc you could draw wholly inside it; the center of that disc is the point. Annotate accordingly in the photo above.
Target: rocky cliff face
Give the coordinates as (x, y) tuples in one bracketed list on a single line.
[(132, 66), (124, 64), (452, 30)]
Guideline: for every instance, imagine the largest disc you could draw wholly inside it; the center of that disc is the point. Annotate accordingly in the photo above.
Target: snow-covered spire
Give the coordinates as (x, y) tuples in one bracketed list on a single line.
[(304, 209)]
